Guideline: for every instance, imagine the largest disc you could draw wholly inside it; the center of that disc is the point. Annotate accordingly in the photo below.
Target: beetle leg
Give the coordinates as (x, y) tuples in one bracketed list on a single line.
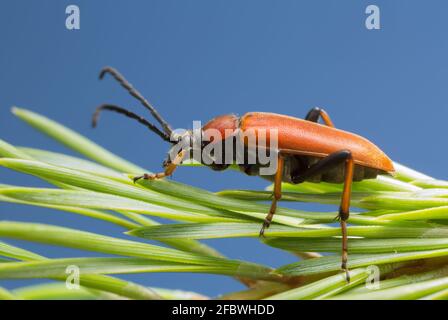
[(314, 114), (169, 169), (323, 165), (277, 194), (344, 211)]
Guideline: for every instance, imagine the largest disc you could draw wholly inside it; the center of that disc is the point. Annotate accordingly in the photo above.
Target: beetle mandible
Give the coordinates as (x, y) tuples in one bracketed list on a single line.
[(306, 151)]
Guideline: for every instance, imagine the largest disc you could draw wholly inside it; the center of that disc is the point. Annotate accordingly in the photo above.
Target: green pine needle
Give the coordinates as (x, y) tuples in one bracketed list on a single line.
[(398, 227)]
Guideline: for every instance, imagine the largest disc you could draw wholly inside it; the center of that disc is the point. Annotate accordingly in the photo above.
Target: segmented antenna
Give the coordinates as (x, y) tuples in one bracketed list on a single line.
[(133, 92), (131, 115)]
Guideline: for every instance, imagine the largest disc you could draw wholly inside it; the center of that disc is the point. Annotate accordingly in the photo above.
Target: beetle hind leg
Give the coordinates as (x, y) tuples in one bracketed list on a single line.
[(343, 157), (344, 212)]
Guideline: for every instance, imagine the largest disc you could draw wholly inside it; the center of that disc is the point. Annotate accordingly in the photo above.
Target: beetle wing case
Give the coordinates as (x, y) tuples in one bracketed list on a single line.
[(313, 139)]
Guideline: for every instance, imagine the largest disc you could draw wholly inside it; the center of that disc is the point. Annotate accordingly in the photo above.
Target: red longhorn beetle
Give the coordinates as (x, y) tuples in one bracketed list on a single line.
[(307, 151)]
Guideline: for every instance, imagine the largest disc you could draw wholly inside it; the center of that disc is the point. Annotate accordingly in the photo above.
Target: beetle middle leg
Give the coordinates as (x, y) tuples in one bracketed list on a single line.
[(277, 194), (322, 166), (314, 114), (169, 169)]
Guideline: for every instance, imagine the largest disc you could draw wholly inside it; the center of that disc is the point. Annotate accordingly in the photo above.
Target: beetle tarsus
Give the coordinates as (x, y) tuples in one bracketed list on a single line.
[(347, 273), (344, 267), (135, 179), (145, 176), (265, 225)]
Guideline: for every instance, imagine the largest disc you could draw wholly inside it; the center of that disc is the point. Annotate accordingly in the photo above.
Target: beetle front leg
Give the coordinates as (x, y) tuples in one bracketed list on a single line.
[(277, 195), (314, 114), (169, 169)]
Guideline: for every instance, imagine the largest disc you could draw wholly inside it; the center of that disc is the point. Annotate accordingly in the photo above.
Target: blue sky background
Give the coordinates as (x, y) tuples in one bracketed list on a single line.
[(198, 59)]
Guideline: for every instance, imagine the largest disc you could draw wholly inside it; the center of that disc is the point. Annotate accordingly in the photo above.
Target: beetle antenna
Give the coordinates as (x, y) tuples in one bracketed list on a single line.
[(134, 92), (131, 115)]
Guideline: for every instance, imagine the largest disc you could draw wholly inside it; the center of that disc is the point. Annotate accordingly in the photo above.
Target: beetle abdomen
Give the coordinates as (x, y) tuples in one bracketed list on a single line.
[(295, 165), (337, 174)]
